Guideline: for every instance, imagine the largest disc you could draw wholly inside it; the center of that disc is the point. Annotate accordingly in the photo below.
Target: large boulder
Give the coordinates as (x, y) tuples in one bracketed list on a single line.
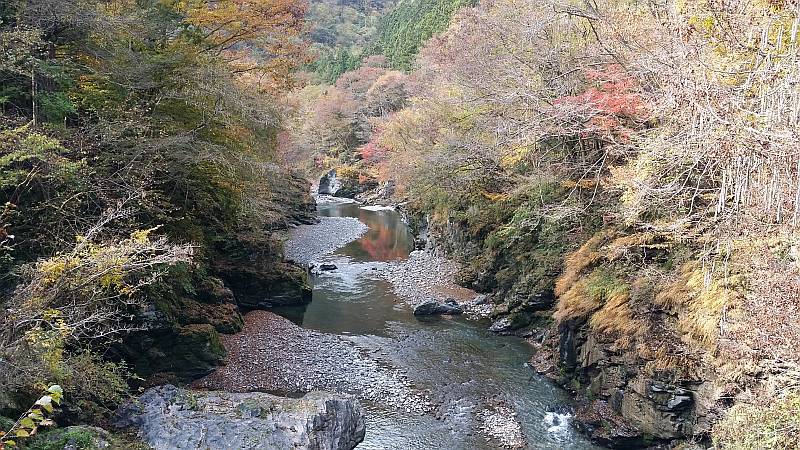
[(328, 183), (432, 308), (177, 352), (167, 417), (180, 331)]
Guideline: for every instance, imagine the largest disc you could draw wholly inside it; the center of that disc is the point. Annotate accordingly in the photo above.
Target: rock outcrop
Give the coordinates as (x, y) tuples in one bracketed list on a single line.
[(237, 268), (329, 184), (433, 308), (167, 417), (629, 407)]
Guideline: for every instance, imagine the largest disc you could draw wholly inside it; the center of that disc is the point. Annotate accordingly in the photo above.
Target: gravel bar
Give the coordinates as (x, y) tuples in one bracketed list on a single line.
[(272, 354), (425, 276), (306, 243)]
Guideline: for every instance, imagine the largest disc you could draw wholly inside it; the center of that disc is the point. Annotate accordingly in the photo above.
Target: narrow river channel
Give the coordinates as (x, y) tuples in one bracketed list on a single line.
[(458, 361)]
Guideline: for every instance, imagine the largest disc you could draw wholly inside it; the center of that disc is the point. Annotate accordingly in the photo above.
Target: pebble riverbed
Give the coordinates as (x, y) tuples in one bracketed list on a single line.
[(427, 383)]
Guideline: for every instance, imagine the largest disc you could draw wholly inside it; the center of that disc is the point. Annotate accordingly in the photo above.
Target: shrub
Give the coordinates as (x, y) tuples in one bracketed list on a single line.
[(775, 425), (70, 307)]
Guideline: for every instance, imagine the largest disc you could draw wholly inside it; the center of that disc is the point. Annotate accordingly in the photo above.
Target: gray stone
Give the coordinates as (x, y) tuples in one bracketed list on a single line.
[(679, 402), (480, 299), (501, 325), (167, 417), (328, 267), (432, 308), (329, 184)]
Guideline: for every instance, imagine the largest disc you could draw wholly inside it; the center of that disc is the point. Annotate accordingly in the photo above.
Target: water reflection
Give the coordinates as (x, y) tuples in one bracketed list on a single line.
[(388, 238), (460, 360)]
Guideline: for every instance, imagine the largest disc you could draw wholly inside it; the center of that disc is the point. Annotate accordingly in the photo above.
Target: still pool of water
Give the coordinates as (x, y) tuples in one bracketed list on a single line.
[(462, 364)]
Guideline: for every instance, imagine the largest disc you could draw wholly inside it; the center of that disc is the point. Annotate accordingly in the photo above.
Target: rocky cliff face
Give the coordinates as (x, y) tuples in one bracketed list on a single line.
[(625, 400), (622, 403), (167, 417), (236, 270)]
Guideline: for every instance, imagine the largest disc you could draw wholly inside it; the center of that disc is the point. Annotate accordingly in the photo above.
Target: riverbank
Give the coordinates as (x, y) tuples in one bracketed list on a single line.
[(358, 336), (425, 276), (272, 354)]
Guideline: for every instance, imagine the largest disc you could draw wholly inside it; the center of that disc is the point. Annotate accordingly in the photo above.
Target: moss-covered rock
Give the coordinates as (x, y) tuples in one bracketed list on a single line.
[(83, 438), (260, 285), (184, 352)]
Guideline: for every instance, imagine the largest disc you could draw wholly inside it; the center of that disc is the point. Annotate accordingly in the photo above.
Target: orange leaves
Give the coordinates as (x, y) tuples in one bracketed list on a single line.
[(225, 23), (612, 108), (253, 36)]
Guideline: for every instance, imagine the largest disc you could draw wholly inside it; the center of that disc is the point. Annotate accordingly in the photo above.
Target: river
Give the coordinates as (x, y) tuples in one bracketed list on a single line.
[(464, 366)]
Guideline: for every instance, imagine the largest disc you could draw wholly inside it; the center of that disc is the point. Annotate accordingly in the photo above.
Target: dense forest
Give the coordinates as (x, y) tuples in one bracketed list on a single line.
[(140, 191), (620, 178)]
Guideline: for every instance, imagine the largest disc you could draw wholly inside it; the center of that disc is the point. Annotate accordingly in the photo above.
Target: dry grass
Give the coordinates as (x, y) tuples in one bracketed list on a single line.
[(590, 293), (701, 298), (586, 291), (622, 246), (617, 318), (775, 425), (580, 260), (767, 324), (575, 302)]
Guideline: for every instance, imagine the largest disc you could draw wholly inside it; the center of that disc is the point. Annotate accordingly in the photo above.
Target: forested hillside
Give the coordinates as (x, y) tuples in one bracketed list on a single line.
[(620, 177), (341, 32), (618, 180), (139, 191), (407, 27)]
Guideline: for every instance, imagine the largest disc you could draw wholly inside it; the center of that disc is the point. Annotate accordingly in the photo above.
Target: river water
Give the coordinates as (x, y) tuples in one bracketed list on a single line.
[(464, 366)]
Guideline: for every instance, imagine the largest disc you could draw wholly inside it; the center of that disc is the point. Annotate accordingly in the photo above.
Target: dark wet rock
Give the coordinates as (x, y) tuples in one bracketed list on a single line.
[(567, 345), (560, 409), (183, 352), (328, 267), (180, 330), (432, 308), (280, 284), (481, 299), (329, 184), (297, 204), (632, 409), (166, 417), (607, 427)]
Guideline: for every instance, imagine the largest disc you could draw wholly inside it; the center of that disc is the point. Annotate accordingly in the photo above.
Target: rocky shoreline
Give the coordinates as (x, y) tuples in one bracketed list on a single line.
[(171, 418), (308, 242), (426, 277), (272, 354)]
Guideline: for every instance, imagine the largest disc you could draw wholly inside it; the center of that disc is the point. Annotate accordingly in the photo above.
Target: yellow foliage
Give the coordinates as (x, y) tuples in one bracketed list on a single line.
[(514, 156), (143, 236), (496, 196), (700, 300), (347, 172), (583, 183), (52, 269)]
